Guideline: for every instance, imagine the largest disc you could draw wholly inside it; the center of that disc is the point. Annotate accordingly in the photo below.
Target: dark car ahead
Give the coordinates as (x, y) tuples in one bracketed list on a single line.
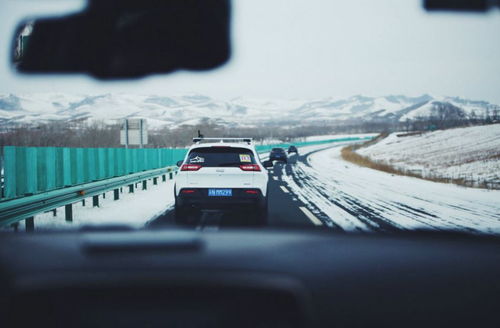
[(292, 149), (278, 154)]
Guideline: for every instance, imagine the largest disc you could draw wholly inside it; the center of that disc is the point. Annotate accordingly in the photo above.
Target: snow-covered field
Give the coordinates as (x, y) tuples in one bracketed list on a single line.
[(350, 197), (472, 153)]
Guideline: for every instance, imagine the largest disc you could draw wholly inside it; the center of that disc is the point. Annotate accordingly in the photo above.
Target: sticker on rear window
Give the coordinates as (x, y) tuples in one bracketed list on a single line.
[(244, 158), (197, 159)]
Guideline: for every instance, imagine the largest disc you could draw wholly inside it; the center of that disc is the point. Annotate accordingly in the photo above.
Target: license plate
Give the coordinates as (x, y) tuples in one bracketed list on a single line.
[(220, 192)]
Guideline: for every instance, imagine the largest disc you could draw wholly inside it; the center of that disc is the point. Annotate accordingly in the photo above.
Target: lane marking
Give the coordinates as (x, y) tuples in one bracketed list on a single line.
[(275, 178), (311, 216), (284, 189)]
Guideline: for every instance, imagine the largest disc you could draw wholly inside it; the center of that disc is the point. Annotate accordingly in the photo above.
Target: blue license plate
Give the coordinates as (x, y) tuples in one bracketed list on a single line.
[(220, 192)]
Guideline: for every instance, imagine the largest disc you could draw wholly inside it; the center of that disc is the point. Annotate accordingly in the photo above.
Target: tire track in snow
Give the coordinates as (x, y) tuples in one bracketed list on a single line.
[(366, 215)]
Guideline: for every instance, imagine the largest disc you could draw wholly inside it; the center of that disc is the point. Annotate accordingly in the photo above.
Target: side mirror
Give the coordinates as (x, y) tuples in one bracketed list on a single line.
[(267, 164), (179, 163)]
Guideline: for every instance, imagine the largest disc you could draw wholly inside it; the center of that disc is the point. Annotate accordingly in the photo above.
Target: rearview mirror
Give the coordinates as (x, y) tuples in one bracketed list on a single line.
[(127, 38), (267, 164), (179, 163)]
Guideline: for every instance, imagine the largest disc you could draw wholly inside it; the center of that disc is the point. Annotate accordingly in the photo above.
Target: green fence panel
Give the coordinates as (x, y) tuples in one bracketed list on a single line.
[(50, 168), (135, 160), (21, 171), (166, 154), (101, 163), (66, 154), (159, 157), (59, 159), (80, 166), (127, 162), (121, 161), (92, 162), (151, 159), (154, 159), (41, 169), (74, 165), (148, 159), (112, 164), (31, 171), (141, 160)]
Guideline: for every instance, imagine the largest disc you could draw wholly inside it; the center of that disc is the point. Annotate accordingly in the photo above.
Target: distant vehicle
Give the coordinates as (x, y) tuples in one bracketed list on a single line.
[(278, 154), (222, 174), (292, 149)]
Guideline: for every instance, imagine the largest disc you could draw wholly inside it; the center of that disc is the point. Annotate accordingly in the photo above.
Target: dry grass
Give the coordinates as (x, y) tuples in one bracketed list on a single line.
[(349, 154)]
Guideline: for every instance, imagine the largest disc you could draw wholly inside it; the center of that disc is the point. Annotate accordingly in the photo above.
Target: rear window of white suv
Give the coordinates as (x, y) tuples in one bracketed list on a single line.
[(221, 156)]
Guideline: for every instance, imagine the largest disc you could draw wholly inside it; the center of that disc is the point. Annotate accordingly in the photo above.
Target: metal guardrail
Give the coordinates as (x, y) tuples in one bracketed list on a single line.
[(25, 208)]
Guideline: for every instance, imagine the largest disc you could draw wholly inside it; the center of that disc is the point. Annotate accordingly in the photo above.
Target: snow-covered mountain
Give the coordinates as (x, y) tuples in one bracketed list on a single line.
[(32, 109)]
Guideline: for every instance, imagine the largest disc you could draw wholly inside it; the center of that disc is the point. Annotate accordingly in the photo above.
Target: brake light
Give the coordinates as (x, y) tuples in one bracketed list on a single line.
[(188, 191), (190, 167), (251, 192), (250, 167)]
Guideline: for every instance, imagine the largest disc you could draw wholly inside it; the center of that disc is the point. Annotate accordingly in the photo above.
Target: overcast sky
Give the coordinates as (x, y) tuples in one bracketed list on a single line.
[(313, 49)]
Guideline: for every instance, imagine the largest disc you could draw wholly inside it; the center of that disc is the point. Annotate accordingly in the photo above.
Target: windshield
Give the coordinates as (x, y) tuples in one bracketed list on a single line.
[(393, 113)]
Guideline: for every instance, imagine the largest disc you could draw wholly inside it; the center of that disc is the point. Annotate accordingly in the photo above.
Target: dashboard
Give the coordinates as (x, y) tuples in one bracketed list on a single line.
[(248, 278)]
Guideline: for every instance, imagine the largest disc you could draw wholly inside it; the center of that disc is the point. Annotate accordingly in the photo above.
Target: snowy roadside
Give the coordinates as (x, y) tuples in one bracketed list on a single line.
[(133, 210), (358, 198), (469, 154)]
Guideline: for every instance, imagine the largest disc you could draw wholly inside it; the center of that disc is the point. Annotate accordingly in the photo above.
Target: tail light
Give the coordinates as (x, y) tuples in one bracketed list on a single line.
[(250, 167), (251, 191), (188, 191), (190, 167)]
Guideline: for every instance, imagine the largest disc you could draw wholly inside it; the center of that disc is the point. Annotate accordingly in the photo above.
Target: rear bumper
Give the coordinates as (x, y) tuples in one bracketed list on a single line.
[(200, 199)]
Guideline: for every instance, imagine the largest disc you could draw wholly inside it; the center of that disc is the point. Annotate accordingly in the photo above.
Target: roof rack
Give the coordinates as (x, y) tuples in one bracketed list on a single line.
[(222, 140)]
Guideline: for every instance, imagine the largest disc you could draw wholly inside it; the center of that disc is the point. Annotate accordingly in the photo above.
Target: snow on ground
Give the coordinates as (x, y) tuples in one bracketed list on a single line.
[(350, 197), (134, 210), (471, 153)]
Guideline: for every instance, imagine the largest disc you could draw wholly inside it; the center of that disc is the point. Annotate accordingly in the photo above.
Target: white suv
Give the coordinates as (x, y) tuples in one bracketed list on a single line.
[(221, 172)]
